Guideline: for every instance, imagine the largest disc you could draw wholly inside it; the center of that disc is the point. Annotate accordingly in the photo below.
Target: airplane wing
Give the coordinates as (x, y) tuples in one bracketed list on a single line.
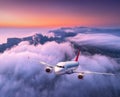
[(90, 72), (46, 64)]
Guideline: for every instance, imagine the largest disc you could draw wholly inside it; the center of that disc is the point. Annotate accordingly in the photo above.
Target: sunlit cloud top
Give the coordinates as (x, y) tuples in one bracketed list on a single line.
[(54, 13)]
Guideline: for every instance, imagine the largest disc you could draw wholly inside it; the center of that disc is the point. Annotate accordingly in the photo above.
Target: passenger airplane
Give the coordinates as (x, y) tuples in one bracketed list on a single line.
[(69, 67)]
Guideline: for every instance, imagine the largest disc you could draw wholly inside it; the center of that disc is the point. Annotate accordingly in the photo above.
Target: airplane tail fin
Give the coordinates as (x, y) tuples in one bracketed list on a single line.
[(76, 59)]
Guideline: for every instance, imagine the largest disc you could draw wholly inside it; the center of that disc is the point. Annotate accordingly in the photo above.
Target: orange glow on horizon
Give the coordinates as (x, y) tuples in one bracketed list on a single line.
[(17, 18), (50, 21)]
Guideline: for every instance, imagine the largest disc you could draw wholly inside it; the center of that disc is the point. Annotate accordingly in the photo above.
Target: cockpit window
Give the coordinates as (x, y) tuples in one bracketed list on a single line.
[(60, 66)]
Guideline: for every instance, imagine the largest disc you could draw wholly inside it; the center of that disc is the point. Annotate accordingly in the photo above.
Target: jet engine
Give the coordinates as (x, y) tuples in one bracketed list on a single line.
[(80, 76), (48, 69)]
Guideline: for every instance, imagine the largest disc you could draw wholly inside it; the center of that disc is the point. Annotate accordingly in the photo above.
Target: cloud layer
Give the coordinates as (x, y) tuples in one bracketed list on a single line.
[(21, 74), (97, 39)]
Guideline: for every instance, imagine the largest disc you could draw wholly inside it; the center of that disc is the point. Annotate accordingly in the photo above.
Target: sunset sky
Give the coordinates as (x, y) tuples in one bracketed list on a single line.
[(57, 13)]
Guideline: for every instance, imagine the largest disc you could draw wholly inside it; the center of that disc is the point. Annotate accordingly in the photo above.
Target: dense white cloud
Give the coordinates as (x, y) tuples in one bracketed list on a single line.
[(21, 75), (106, 40)]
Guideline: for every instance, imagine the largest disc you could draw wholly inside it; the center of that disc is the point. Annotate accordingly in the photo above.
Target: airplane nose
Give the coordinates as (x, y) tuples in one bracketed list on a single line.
[(57, 70)]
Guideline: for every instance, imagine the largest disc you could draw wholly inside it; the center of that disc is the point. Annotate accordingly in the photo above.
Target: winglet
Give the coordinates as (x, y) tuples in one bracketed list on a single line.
[(76, 59)]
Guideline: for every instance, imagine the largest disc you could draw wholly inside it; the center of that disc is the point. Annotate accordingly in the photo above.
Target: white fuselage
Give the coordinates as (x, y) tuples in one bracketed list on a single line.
[(66, 67)]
